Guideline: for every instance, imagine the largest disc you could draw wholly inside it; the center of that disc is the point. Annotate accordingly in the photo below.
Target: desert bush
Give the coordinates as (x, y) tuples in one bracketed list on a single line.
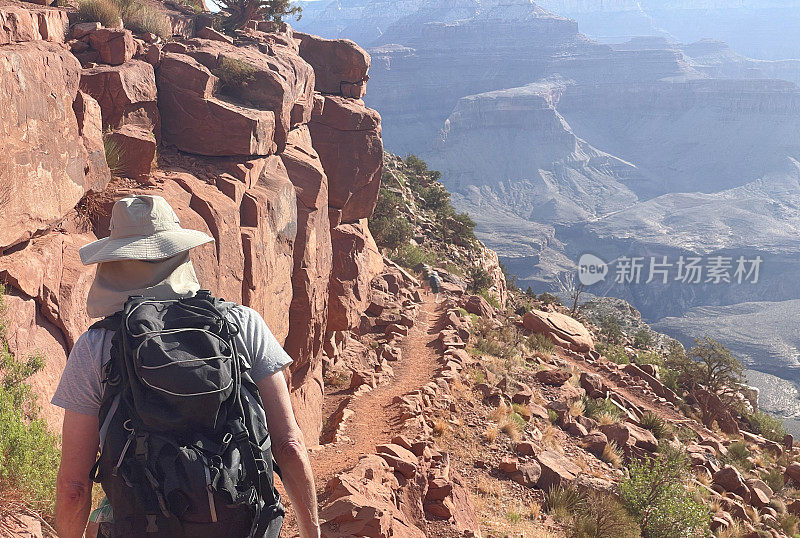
[(738, 456), (410, 256), (655, 424), (549, 299), (603, 516), (649, 357), (540, 342), (388, 227), (614, 352), (237, 13), (563, 501), (480, 279), (655, 493), (788, 523), (611, 330), (489, 298), (143, 18), (594, 408), (643, 339), (612, 454), (29, 453), (106, 12), (774, 479), (233, 74), (768, 426)]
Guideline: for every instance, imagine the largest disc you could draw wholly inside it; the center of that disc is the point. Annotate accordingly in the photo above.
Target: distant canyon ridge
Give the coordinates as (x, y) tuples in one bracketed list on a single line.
[(653, 138)]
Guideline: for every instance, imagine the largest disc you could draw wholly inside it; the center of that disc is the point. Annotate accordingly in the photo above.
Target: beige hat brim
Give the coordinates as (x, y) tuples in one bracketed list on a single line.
[(157, 246)]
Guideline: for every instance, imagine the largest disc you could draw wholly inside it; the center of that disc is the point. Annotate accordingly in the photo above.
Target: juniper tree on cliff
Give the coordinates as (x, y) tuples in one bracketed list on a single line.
[(240, 12)]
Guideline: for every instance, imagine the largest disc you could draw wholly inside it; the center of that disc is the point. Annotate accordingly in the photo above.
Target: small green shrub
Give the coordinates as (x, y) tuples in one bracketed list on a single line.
[(649, 357), (141, 18), (29, 455), (643, 339), (548, 299), (234, 75), (655, 424), (409, 256), (540, 342), (603, 516), (563, 501), (611, 330), (614, 352), (768, 426), (489, 298), (656, 495), (513, 516), (106, 12), (774, 479), (593, 408), (738, 455), (552, 416), (480, 279), (114, 155)]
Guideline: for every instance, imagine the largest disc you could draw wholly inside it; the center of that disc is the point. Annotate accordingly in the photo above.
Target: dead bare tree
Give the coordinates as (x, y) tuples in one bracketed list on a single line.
[(572, 288)]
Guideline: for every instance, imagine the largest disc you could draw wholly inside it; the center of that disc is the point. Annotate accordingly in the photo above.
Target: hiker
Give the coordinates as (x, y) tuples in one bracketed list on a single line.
[(435, 282), (169, 387)]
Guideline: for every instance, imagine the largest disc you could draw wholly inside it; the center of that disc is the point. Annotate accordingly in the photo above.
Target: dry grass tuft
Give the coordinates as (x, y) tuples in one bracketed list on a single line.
[(577, 408), (612, 455), (605, 418), (550, 438), (491, 433)]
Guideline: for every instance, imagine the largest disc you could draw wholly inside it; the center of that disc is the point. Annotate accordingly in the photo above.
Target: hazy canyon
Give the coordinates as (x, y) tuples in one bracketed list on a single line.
[(648, 137)]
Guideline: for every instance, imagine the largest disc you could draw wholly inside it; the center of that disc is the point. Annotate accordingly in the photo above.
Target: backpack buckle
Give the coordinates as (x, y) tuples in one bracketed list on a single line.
[(141, 447)]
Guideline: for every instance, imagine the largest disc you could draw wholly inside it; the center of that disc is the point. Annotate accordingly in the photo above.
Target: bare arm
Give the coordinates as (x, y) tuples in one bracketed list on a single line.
[(80, 440), (289, 450)]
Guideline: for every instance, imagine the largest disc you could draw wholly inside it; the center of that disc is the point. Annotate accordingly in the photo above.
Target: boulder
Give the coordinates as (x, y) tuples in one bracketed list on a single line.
[(347, 137), (556, 469), (207, 32), (525, 448), (563, 330), (595, 442), (527, 475), (18, 24), (340, 65), (760, 493), (363, 502), (593, 385), (556, 377), (730, 479), (356, 261), (279, 81), (400, 459), (475, 304), (792, 472), (127, 95), (627, 435), (135, 149), (42, 166), (90, 127), (115, 45), (196, 122)]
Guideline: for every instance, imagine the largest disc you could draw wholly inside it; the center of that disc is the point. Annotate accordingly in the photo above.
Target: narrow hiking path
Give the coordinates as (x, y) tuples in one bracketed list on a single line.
[(375, 418)]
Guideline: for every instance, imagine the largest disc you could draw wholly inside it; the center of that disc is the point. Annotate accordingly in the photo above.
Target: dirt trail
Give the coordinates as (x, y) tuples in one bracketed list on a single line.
[(376, 419)]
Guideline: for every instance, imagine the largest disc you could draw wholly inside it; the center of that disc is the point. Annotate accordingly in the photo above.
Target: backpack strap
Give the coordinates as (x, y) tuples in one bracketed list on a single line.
[(110, 323)]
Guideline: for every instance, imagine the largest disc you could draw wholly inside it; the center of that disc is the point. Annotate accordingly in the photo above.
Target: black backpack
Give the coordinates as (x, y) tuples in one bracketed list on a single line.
[(184, 445)]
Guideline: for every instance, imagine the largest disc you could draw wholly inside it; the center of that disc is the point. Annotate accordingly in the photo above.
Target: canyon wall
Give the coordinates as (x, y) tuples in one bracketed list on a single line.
[(282, 171)]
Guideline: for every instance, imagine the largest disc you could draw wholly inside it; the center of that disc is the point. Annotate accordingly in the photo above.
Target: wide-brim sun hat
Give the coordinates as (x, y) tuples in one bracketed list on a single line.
[(142, 227)]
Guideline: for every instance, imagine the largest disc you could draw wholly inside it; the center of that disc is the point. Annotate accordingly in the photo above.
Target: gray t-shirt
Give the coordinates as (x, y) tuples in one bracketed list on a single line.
[(81, 389)]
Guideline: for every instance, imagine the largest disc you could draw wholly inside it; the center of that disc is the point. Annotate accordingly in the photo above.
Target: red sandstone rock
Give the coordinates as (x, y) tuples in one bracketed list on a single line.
[(127, 95), (280, 82), (556, 377), (340, 65), (43, 159), (356, 261), (116, 46), (556, 470), (136, 148), (18, 24), (209, 33), (196, 122), (562, 330), (347, 136), (90, 127), (475, 304)]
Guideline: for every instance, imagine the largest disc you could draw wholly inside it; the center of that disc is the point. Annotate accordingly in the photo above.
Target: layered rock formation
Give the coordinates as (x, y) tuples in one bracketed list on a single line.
[(282, 173)]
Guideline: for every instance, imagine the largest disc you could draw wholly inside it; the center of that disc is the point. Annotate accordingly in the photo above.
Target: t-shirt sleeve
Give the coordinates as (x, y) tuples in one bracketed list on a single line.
[(261, 348), (80, 389)]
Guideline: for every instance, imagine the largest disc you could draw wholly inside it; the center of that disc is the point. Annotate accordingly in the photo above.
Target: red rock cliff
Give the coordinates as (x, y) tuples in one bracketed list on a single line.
[(282, 171)]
